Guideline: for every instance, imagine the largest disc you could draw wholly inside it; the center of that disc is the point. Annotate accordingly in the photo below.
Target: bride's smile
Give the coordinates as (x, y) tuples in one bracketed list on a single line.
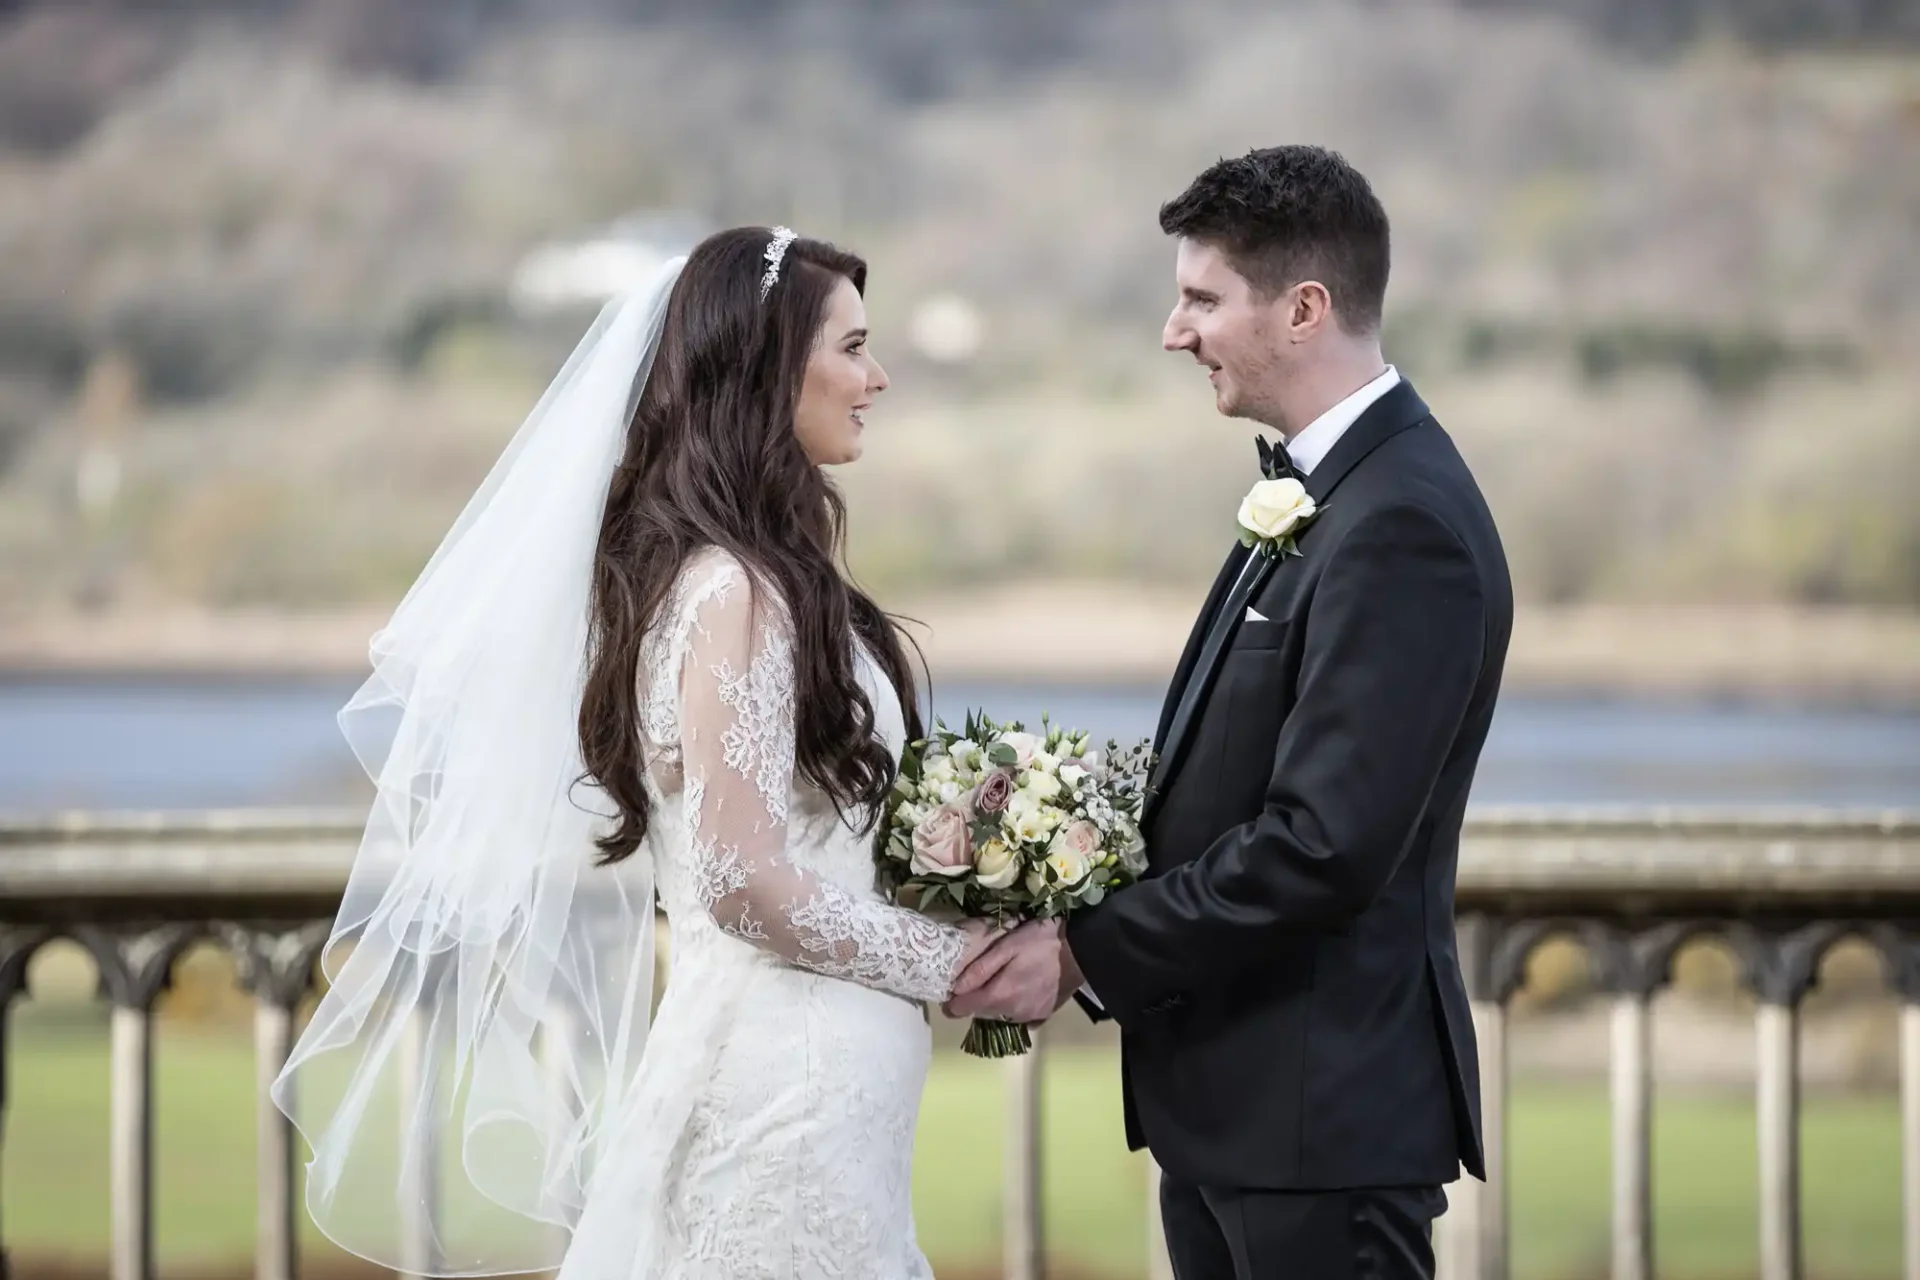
[(841, 383)]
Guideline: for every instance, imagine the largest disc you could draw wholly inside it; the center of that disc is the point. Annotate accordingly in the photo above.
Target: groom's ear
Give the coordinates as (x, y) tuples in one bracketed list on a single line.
[(1307, 309)]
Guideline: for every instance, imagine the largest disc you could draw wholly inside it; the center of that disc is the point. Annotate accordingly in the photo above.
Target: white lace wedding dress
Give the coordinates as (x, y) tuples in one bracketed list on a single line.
[(772, 1131)]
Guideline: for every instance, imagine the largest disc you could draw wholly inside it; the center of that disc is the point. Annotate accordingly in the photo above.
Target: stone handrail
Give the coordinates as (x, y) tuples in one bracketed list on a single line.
[(1781, 887)]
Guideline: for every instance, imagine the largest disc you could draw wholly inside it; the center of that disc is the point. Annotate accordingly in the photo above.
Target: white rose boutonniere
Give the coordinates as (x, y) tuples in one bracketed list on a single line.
[(1276, 509)]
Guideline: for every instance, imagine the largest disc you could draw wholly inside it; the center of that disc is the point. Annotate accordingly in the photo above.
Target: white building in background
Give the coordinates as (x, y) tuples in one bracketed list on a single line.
[(586, 272), (946, 328)]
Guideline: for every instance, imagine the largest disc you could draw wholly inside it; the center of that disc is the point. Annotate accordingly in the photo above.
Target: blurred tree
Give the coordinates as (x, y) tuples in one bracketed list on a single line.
[(1661, 25), (424, 40)]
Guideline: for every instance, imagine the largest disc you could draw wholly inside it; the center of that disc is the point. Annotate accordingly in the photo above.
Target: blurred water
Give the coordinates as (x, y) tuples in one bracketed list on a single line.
[(156, 744)]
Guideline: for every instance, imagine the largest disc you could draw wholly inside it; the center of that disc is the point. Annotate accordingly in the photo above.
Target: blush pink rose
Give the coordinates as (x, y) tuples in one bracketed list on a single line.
[(1081, 839), (942, 846)]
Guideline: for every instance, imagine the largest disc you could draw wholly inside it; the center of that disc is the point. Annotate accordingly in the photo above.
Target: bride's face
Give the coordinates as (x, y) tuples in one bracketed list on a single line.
[(841, 383)]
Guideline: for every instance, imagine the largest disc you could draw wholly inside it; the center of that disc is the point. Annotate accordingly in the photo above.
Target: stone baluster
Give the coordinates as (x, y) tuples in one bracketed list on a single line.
[(561, 1067), (1900, 952), (1631, 970), (1473, 1234), (1780, 968), (136, 964), (1025, 1244), (17, 945), (1159, 1261), (276, 967), (420, 1104)]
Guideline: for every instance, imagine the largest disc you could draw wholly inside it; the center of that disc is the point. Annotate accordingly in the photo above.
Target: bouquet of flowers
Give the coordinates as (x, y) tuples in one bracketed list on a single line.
[(997, 823)]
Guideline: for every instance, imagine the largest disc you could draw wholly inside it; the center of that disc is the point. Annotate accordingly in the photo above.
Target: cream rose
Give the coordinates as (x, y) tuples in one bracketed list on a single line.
[(942, 845), (996, 864), (1041, 786), (1081, 839), (1273, 509)]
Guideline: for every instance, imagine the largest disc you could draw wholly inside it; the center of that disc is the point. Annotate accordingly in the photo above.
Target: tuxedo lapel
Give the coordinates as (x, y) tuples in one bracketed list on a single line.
[(1394, 412), (1206, 665), (1222, 584)]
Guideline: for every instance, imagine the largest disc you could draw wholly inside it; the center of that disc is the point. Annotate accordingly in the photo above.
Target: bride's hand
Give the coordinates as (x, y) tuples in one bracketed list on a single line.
[(981, 934)]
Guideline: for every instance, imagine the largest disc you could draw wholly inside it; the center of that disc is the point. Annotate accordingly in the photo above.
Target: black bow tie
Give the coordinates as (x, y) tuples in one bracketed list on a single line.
[(1275, 462)]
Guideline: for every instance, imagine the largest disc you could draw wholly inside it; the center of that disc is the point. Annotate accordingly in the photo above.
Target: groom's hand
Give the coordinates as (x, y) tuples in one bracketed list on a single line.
[(1024, 977)]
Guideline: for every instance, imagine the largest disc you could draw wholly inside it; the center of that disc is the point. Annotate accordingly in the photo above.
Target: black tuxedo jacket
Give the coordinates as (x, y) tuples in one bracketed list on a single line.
[(1289, 994)]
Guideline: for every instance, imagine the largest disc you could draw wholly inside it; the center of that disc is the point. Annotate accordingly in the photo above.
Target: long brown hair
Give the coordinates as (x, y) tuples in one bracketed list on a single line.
[(712, 460)]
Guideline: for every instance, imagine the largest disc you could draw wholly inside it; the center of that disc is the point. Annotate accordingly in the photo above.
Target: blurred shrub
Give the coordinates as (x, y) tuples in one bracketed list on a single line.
[(1733, 363)]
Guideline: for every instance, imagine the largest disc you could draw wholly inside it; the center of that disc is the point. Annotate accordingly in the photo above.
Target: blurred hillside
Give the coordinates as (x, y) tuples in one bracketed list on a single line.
[(1654, 268)]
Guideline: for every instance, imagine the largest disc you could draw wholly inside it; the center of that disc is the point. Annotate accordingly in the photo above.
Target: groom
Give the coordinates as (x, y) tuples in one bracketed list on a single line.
[(1296, 1045)]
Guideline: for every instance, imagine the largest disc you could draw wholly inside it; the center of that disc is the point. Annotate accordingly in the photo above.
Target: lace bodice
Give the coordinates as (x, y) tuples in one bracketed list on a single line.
[(734, 839)]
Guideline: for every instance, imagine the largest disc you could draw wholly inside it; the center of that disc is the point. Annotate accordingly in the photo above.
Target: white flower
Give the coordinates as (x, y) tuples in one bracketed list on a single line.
[(1068, 867), (996, 865), (1073, 775), (940, 769), (1274, 509), (1066, 860), (1071, 858), (1028, 823), (1028, 818), (1042, 786), (965, 753), (1023, 744), (1046, 762), (1100, 810)]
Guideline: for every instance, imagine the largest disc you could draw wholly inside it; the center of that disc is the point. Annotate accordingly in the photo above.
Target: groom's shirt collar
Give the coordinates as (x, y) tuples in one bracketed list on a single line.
[(1314, 443)]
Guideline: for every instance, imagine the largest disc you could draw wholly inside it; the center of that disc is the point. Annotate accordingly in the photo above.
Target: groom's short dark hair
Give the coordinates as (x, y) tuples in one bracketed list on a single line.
[(1287, 214)]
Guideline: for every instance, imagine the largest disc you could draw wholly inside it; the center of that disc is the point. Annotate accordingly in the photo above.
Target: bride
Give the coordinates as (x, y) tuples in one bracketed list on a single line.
[(634, 672)]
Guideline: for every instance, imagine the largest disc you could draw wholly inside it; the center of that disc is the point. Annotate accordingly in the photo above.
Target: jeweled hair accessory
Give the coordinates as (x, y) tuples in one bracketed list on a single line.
[(776, 254)]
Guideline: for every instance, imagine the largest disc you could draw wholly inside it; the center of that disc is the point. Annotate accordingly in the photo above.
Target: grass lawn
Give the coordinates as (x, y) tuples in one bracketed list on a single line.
[(53, 1182)]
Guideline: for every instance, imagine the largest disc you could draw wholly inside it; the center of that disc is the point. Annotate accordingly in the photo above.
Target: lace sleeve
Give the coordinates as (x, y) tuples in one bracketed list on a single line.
[(737, 747)]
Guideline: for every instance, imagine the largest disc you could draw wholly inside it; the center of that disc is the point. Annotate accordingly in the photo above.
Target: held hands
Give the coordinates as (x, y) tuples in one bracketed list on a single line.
[(981, 934), (1021, 976)]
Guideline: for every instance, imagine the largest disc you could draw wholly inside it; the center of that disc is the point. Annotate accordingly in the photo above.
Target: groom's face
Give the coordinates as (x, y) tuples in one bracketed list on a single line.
[(1228, 328)]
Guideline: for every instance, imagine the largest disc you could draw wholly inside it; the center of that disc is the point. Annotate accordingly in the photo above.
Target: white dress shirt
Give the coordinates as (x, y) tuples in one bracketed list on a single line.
[(1309, 447)]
